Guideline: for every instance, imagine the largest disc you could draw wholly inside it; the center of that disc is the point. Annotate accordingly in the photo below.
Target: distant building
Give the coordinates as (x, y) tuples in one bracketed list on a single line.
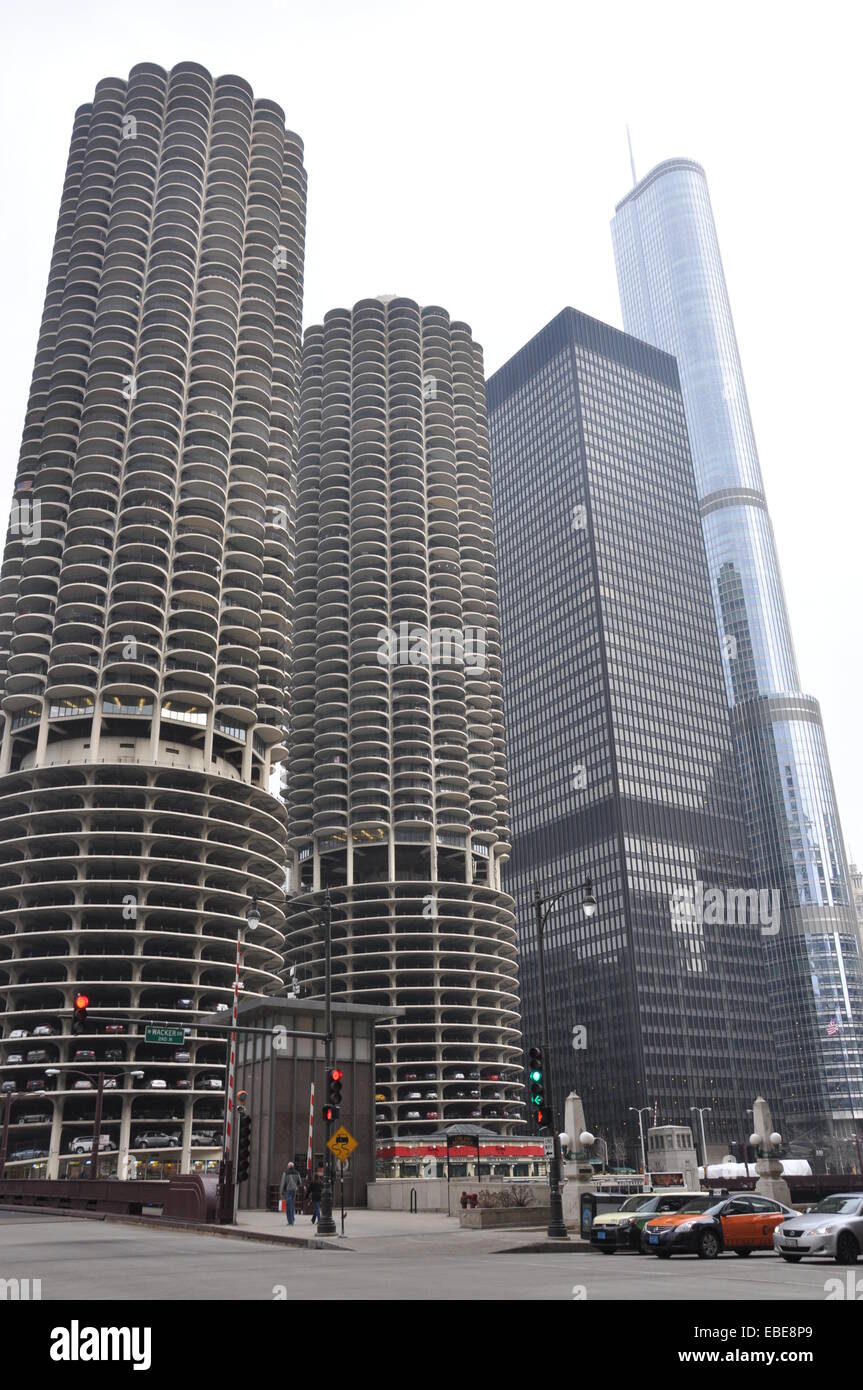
[(855, 878)]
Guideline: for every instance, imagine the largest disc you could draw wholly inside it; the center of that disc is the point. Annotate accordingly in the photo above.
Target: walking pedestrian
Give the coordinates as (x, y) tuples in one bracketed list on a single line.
[(316, 1187), (288, 1188)]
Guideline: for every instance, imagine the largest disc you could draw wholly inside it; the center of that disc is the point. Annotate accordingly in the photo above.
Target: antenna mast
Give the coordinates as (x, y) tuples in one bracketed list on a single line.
[(631, 160)]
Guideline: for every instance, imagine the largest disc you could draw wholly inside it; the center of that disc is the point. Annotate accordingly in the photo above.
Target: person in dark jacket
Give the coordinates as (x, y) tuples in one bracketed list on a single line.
[(314, 1191), (288, 1188)]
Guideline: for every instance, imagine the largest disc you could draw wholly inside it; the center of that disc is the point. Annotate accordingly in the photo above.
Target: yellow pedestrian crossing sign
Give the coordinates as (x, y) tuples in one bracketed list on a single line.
[(342, 1143)]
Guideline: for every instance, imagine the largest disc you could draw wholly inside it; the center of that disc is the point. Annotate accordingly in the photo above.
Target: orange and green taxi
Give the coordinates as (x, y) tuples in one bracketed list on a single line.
[(621, 1229), (709, 1225)]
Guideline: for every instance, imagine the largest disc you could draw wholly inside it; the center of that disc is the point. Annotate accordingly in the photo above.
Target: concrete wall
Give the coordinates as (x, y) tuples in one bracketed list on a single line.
[(394, 1194)]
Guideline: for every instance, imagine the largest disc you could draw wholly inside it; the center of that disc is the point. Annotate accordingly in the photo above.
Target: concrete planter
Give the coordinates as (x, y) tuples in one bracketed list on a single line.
[(499, 1218)]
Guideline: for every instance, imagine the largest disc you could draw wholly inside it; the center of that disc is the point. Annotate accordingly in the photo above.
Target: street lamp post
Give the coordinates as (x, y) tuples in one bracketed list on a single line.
[(639, 1112), (326, 1224), (543, 908), (97, 1126), (701, 1111)]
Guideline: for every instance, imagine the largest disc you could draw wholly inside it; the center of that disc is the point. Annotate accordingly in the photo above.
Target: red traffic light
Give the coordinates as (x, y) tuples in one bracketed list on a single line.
[(336, 1074), (81, 1001), (330, 1113)]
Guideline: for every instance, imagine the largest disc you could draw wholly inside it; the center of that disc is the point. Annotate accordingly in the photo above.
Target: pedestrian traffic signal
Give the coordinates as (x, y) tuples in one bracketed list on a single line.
[(334, 1094), (79, 1021), (244, 1146)]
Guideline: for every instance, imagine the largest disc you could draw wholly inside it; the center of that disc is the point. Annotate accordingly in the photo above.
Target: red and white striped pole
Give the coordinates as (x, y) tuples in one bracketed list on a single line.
[(232, 1054), (310, 1154)]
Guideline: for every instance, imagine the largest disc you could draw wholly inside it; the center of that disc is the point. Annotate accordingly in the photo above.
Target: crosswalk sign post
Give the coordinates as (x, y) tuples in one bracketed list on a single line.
[(342, 1144)]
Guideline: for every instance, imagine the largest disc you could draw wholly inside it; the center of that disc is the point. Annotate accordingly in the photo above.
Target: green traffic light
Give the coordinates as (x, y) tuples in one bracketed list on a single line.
[(535, 1075)]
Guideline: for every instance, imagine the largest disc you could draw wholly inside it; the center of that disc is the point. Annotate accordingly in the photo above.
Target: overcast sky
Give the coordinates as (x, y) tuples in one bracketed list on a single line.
[(471, 153)]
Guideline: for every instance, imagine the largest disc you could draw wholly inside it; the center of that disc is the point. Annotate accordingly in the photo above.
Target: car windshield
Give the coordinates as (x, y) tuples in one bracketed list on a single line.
[(838, 1205), (697, 1204), (634, 1203)]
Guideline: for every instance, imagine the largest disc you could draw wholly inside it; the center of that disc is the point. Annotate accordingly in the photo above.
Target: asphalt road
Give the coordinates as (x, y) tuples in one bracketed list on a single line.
[(77, 1260)]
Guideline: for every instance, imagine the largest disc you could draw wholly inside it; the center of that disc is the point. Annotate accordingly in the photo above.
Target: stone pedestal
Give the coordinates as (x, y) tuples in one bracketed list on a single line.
[(770, 1182), (577, 1169)]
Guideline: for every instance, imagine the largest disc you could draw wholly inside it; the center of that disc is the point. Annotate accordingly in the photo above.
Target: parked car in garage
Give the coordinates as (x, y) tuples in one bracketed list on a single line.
[(157, 1139), (83, 1144)]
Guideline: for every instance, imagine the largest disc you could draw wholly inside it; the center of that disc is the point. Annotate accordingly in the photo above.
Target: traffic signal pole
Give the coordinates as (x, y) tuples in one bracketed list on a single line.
[(326, 1224), (4, 1141)]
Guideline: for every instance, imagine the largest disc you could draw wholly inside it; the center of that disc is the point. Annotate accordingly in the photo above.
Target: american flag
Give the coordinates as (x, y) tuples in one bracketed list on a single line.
[(834, 1025)]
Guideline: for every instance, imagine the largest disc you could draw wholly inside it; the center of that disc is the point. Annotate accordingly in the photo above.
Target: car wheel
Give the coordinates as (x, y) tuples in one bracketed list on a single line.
[(607, 1249), (743, 1253), (663, 1254), (847, 1249), (792, 1259), (708, 1246)]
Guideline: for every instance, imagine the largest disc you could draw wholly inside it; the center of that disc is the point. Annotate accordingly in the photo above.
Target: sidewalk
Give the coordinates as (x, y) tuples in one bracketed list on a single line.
[(361, 1225), (394, 1231)]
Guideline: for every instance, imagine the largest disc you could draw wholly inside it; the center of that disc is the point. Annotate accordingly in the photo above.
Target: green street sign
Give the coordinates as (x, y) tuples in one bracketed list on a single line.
[(155, 1033)]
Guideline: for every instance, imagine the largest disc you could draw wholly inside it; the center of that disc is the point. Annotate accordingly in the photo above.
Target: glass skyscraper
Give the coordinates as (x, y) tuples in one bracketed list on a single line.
[(620, 754), (674, 295)]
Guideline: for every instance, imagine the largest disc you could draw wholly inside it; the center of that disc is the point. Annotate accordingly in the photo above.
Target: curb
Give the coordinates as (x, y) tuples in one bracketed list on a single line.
[(198, 1228), (573, 1246)]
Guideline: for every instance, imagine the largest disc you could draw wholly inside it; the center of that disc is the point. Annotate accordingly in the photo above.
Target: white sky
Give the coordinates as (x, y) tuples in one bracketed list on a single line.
[(470, 153)]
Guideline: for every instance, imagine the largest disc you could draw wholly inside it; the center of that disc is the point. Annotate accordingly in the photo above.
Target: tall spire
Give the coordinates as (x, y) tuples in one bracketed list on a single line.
[(631, 159)]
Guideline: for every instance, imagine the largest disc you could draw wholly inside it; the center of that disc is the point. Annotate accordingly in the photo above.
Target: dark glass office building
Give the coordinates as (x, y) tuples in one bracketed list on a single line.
[(620, 750)]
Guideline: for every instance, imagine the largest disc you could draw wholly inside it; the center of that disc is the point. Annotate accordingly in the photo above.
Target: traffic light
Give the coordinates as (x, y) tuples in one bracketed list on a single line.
[(244, 1146), (79, 1021), (334, 1094), (536, 1088)]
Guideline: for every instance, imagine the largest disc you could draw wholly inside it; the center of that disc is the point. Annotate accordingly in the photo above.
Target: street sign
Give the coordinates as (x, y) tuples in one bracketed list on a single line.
[(155, 1033), (342, 1143), (548, 1145)]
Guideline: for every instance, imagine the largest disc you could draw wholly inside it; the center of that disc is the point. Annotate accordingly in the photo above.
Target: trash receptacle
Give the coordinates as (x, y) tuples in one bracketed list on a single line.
[(588, 1212)]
